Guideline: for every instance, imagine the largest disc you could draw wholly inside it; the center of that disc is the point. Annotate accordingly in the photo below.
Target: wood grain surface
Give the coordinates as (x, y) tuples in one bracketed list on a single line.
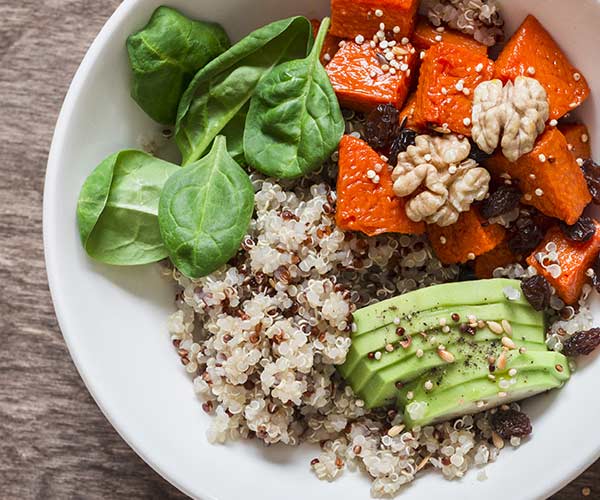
[(54, 442)]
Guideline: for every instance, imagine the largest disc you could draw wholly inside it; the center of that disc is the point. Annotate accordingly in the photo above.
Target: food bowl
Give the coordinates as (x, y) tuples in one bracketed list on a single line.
[(114, 319)]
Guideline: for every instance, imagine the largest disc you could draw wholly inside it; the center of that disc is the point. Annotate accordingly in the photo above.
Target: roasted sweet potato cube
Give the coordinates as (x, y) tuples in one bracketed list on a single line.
[(330, 46), (549, 177), (364, 204), (361, 81), (426, 35), (578, 139), (533, 52), (448, 77), (350, 18), (574, 259), (486, 264), (407, 113), (469, 238)]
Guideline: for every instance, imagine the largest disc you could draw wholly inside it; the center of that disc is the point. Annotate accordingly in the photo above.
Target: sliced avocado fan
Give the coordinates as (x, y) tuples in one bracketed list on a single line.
[(405, 341)]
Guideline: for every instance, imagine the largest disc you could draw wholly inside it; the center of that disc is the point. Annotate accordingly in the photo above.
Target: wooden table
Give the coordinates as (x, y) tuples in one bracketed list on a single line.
[(54, 442)]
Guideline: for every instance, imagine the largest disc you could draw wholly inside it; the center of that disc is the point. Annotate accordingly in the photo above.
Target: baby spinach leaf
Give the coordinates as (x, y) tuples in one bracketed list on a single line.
[(117, 211), (234, 132), (221, 89), (165, 55), (204, 212), (294, 123)]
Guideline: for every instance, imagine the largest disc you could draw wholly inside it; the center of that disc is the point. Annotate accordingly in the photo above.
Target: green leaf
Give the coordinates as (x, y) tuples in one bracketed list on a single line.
[(294, 123), (204, 212), (222, 88), (165, 55), (117, 210), (234, 132)]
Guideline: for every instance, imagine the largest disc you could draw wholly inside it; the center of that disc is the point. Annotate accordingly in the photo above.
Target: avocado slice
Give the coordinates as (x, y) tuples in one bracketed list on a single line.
[(450, 295), (375, 380), (429, 320), (465, 387)]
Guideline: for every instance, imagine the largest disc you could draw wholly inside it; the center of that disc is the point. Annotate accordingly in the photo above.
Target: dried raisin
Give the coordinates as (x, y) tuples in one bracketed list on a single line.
[(537, 291), (401, 142), (382, 126), (501, 201), (596, 275), (511, 423), (591, 172), (582, 343), (525, 236), (583, 230), (477, 154)]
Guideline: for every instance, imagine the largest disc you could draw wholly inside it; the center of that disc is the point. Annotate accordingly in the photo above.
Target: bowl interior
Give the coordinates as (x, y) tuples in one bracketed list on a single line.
[(114, 320)]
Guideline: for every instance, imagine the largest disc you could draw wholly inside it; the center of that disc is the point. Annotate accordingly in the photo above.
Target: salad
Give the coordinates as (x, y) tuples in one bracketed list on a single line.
[(377, 234)]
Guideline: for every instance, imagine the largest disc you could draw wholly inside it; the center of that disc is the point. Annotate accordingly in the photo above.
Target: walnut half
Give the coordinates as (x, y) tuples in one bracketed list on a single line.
[(451, 181), (516, 111)]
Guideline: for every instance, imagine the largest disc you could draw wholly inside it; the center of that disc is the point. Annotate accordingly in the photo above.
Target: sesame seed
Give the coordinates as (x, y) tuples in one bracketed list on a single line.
[(410, 395), (438, 38), (471, 256), (576, 76), (422, 55), (371, 174), (479, 68), (379, 13), (467, 121), (382, 26), (404, 41), (580, 162), (419, 353), (446, 356), (542, 157), (553, 123), (584, 138), (443, 240), (491, 377), (428, 385), (506, 326), (360, 39), (512, 372), (539, 192), (507, 342), (394, 431), (396, 29), (531, 70), (496, 439), (460, 85), (376, 179), (495, 327)]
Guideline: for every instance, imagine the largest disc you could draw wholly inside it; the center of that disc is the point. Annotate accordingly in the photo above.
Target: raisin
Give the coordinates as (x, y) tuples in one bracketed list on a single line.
[(466, 273), (582, 343), (596, 275), (525, 236), (583, 230), (501, 201), (511, 423), (591, 172), (477, 154), (537, 291), (382, 126), (401, 142)]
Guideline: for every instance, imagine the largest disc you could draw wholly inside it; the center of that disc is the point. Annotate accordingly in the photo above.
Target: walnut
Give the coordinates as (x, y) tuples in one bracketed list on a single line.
[(516, 111), (451, 181)]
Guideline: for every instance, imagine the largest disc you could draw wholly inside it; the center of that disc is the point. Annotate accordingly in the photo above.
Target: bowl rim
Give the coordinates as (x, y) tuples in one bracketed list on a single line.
[(50, 254)]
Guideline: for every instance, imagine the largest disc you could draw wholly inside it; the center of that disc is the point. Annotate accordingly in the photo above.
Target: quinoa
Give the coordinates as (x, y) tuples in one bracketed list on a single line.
[(261, 339)]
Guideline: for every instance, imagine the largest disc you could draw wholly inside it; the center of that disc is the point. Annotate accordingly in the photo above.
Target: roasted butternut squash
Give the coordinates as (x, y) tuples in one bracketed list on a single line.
[(362, 204), (426, 35), (578, 140)]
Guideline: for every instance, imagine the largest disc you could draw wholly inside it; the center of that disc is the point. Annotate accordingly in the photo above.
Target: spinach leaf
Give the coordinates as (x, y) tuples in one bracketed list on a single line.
[(294, 123), (117, 210), (164, 57), (221, 89), (234, 132), (204, 212)]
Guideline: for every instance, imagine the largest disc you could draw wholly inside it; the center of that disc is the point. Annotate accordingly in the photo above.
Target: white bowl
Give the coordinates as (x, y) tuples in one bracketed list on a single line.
[(114, 319)]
